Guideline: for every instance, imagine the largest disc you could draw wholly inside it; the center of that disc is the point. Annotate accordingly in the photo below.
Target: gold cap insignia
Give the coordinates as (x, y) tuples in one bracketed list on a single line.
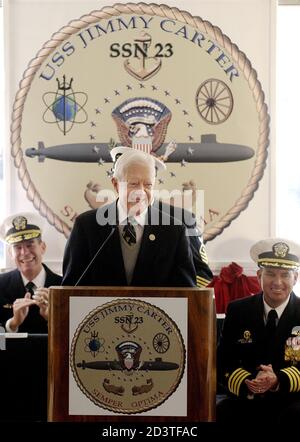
[(19, 223), (281, 249), (20, 228)]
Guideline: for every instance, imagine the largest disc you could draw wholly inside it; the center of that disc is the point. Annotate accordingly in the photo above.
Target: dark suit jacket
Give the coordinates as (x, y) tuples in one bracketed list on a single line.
[(240, 354), (11, 288), (164, 261), (203, 273)]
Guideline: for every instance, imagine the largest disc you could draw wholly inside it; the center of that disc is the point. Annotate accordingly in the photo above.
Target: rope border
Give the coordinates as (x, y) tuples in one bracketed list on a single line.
[(153, 10)]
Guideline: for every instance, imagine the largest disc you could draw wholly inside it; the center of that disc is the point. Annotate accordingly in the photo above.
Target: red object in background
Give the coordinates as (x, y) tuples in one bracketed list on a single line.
[(232, 284)]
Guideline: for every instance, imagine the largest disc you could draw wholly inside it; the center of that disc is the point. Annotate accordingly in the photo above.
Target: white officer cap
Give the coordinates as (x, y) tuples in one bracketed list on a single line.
[(276, 252), (20, 227)]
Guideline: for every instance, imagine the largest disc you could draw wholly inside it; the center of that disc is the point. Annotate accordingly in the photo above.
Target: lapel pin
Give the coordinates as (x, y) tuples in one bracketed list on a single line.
[(152, 237)]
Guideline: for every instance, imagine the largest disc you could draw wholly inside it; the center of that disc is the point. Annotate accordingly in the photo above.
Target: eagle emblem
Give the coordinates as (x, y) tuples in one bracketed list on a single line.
[(142, 119)]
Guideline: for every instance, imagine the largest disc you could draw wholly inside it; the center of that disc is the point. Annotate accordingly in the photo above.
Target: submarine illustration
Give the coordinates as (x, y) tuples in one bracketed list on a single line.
[(76, 152), (157, 365), (209, 150)]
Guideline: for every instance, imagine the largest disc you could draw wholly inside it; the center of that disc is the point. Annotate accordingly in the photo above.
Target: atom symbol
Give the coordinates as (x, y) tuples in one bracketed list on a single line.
[(65, 107), (94, 344)]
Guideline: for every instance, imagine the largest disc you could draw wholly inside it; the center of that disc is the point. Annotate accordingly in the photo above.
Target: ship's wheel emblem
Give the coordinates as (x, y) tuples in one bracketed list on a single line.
[(214, 101), (161, 343)]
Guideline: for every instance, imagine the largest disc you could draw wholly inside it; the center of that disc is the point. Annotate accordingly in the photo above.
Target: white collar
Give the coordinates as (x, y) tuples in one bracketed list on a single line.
[(279, 309), (39, 280), (123, 215)]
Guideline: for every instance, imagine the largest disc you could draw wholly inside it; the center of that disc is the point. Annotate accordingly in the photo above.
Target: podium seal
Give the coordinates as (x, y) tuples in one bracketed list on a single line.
[(127, 356)]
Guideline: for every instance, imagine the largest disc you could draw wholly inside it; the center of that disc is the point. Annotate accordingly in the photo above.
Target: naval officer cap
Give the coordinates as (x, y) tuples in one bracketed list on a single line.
[(20, 227), (277, 253)]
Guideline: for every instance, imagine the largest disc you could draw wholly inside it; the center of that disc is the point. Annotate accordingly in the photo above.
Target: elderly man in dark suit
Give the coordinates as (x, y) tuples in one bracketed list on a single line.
[(23, 291), (203, 273), (259, 350), (129, 242)]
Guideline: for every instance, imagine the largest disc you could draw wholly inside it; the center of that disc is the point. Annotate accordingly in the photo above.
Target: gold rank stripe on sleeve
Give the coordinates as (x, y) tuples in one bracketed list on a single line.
[(202, 282), (294, 377), (235, 380), (203, 254)]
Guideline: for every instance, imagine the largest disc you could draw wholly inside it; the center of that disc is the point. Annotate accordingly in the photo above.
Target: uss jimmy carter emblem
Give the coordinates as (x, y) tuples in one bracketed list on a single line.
[(139, 359)]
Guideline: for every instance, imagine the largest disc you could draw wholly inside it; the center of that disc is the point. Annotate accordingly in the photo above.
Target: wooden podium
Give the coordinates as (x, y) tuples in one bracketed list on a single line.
[(201, 352)]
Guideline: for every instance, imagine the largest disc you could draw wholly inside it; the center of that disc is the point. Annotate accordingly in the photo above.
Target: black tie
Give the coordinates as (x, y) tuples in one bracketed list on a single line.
[(30, 286), (129, 233), (271, 325)]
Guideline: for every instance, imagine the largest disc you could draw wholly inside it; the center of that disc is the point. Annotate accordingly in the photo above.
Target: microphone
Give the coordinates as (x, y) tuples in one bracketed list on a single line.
[(95, 256)]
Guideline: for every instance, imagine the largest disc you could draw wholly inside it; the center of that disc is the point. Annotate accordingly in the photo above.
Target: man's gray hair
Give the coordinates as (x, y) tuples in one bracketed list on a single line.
[(133, 156)]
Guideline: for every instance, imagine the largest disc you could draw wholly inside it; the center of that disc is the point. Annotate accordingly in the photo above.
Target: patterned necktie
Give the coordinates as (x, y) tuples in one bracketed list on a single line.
[(30, 286), (129, 233)]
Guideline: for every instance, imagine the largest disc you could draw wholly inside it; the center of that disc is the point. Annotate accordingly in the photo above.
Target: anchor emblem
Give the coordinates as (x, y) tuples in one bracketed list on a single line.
[(146, 66), (130, 328)]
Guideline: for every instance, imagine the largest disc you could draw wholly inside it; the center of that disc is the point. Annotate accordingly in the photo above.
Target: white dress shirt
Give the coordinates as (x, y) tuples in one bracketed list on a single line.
[(279, 310)]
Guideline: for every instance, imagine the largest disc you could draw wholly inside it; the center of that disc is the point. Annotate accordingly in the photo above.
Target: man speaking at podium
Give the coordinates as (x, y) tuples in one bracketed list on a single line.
[(129, 242)]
